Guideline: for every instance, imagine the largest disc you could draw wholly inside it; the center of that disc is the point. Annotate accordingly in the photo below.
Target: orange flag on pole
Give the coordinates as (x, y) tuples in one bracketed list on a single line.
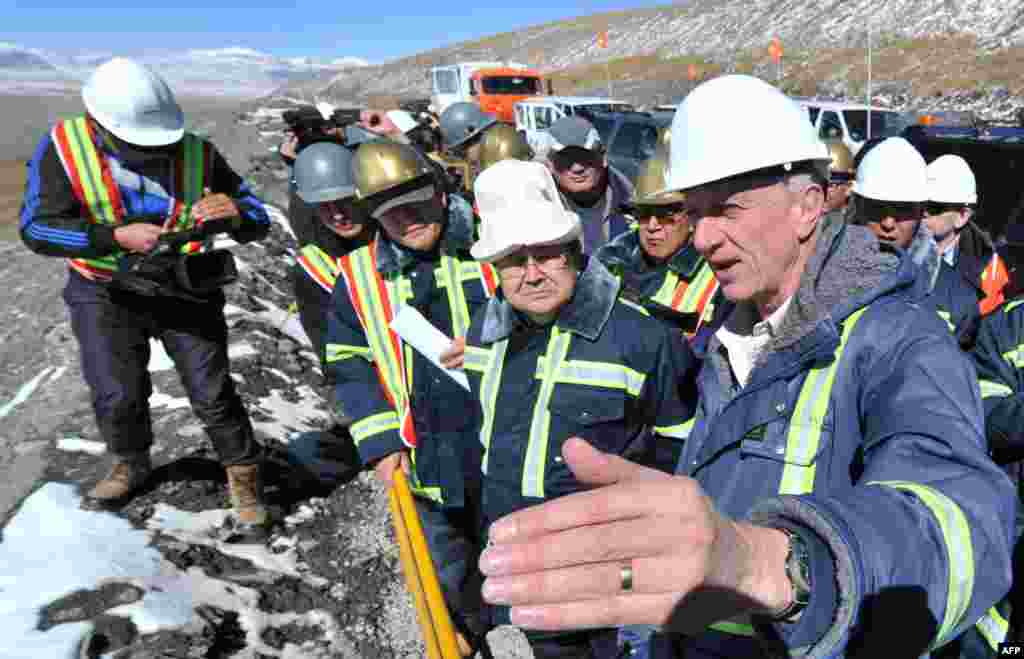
[(692, 72), (775, 49), (602, 39)]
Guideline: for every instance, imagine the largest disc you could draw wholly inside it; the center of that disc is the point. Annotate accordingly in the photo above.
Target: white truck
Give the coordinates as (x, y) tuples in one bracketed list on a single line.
[(452, 83)]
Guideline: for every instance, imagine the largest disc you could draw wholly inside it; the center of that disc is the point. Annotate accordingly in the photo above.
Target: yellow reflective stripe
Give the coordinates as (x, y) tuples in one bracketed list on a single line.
[(324, 265), (667, 291), (634, 306), (90, 172), (1015, 356), (1010, 306), (192, 186), (476, 359), (374, 425), (994, 627), (695, 290), (386, 357), (489, 386), (680, 431), (537, 449), (957, 537), (601, 374), (735, 628), (450, 275), (805, 426), (336, 352), (946, 316), (990, 389)]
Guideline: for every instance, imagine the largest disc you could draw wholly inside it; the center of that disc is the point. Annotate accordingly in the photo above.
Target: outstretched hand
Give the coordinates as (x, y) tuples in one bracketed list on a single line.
[(560, 564)]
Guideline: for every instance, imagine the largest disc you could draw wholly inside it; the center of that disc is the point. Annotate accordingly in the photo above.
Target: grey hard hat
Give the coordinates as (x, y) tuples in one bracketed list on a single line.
[(323, 172), (461, 122), (574, 131)]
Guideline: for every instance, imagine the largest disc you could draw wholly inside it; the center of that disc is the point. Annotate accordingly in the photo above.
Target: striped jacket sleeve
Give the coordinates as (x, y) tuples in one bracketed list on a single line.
[(358, 393), (999, 358), (255, 219), (52, 221)]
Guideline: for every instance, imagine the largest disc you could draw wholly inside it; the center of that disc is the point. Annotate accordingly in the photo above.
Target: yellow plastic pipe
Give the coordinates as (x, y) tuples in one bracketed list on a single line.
[(412, 577), (428, 575)]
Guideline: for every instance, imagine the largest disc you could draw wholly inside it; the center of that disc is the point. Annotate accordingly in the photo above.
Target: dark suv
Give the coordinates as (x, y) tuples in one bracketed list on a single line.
[(629, 138)]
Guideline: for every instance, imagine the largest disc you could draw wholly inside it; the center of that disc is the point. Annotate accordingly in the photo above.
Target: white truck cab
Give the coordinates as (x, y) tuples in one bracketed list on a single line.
[(535, 115), (451, 83), (849, 121)]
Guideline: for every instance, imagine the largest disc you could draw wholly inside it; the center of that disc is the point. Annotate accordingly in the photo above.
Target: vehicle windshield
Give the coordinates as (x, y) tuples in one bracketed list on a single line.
[(883, 124), (608, 107), (524, 86)]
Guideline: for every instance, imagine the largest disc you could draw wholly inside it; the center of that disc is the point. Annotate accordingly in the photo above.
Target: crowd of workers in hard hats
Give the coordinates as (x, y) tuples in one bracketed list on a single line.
[(763, 400)]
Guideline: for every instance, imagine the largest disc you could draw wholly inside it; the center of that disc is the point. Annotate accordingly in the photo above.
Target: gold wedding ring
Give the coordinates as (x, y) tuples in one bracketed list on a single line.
[(626, 576)]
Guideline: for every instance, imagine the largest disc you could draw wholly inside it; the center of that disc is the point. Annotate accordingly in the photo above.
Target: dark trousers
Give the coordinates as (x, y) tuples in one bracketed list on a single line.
[(113, 328), (596, 644)]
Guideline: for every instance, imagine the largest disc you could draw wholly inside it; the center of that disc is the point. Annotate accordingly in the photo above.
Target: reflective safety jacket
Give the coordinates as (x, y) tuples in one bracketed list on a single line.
[(604, 371), (860, 430), (684, 283), (396, 397), (79, 190), (999, 358)]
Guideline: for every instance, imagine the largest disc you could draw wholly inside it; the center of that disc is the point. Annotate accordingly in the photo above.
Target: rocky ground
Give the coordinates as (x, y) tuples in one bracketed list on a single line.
[(153, 580)]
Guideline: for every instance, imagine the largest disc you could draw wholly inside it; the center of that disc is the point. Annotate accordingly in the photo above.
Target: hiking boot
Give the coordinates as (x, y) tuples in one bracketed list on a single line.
[(245, 485), (127, 475)]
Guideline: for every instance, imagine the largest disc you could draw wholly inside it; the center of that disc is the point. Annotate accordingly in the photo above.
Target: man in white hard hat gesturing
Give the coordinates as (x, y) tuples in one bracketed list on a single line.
[(109, 184), (834, 494)]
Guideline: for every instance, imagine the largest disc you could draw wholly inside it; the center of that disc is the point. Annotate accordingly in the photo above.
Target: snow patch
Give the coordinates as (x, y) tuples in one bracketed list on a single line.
[(26, 391), (240, 350), (160, 399), (79, 445), (159, 360), (289, 416)]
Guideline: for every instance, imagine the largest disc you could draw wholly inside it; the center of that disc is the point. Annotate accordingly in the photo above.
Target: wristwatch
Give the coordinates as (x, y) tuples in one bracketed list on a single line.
[(799, 573)]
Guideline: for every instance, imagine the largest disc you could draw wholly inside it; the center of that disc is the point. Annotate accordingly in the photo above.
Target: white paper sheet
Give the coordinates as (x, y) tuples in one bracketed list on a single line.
[(426, 340)]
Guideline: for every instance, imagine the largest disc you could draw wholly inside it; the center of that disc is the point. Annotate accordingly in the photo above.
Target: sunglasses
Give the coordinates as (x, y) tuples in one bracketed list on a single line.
[(666, 214), (934, 208), (570, 156), (876, 211)]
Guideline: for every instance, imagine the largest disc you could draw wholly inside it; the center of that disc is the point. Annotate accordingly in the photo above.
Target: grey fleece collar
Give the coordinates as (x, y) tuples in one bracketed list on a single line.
[(456, 239), (625, 252), (586, 314), (848, 270)]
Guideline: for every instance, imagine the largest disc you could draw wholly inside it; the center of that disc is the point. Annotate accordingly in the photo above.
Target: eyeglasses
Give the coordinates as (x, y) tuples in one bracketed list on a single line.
[(549, 259)]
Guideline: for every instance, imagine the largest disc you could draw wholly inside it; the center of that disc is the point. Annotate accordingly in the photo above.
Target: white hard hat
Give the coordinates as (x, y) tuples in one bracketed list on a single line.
[(402, 120), (893, 171), (134, 103), (519, 205), (951, 181), (737, 124)]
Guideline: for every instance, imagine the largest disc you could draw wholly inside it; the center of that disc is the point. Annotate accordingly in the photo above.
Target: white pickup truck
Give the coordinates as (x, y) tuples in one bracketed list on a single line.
[(535, 115)]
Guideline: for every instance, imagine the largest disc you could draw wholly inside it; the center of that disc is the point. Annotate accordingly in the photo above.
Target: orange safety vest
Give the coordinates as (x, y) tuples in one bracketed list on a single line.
[(88, 171), (994, 279), (376, 299), (320, 266), (689, 297)]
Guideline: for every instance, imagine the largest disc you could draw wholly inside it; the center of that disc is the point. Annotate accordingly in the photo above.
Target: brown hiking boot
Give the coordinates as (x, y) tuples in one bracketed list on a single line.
[(127, 474), (245, 485)]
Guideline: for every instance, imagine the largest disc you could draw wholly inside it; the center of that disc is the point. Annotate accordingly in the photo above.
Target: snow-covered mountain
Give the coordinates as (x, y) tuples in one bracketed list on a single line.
[(236, 71)]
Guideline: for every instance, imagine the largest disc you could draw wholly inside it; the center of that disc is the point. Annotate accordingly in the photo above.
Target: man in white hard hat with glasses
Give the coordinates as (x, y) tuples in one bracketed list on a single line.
[(111, 183), (889, 197), (834, 492), (558, 354)]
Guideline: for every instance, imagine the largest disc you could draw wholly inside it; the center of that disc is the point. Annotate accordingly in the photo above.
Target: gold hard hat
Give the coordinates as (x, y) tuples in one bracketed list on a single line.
[(502, 142), (650, 184), (382, 165), (842, 157)]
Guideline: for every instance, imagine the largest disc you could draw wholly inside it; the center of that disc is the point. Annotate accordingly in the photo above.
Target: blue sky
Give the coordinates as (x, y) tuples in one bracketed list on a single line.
[(373, 29)]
